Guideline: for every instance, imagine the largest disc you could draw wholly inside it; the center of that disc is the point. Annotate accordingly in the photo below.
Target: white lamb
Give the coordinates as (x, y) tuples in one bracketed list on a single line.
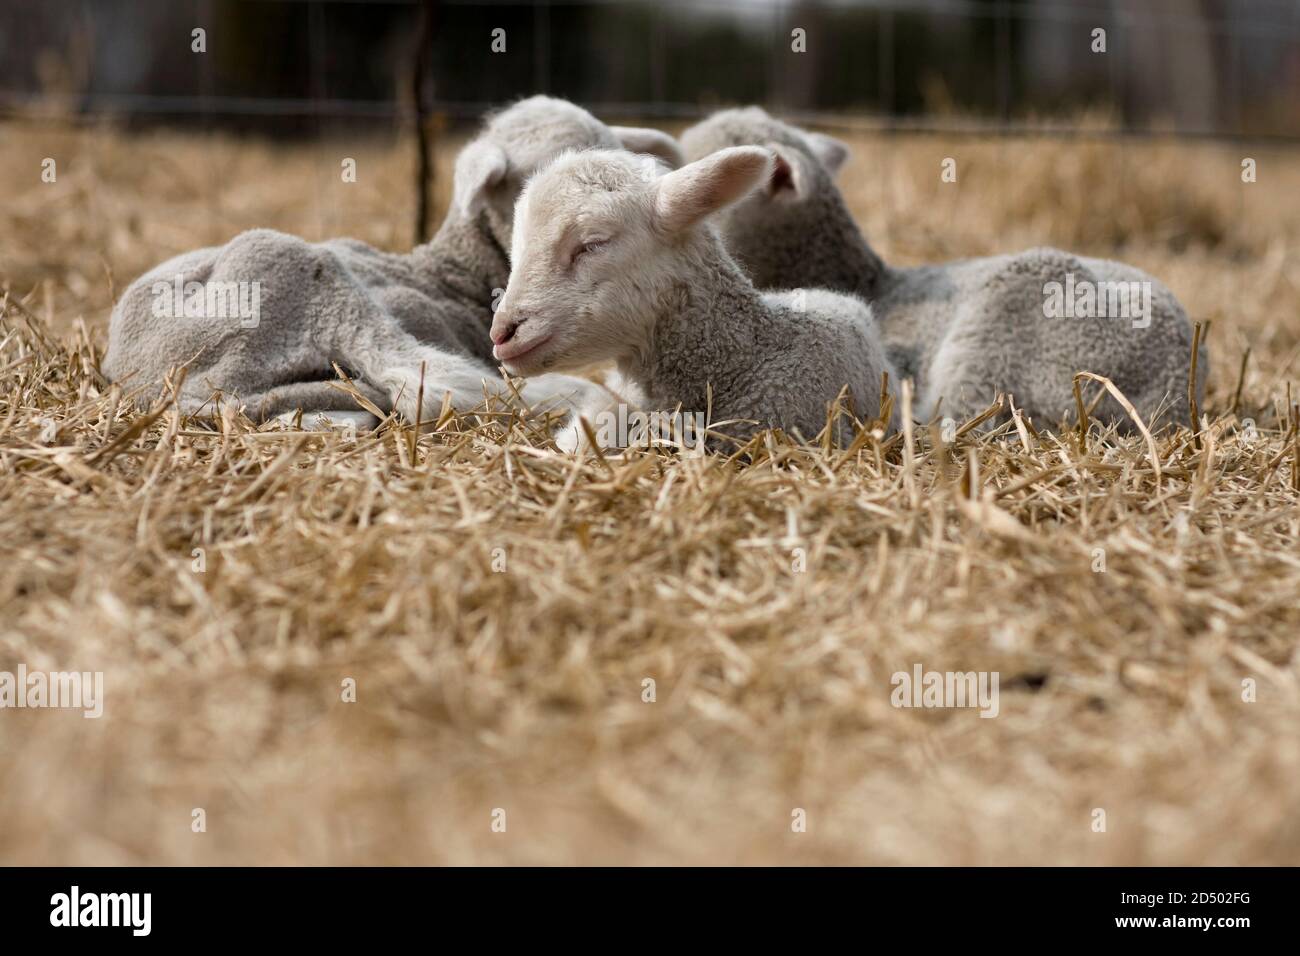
[(613, 260), (263, 319), (967, 330)]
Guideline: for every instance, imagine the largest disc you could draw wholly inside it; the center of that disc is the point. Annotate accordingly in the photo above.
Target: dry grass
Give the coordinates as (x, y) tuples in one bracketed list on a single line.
[(522, 689)]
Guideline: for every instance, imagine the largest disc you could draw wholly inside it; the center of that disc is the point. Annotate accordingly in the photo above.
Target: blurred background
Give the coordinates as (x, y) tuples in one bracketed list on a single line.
[(1111, 127), (1198, 67)]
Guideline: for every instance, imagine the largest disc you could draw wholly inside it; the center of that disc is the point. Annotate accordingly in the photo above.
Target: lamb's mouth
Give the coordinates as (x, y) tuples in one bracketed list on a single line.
[(511, 353)]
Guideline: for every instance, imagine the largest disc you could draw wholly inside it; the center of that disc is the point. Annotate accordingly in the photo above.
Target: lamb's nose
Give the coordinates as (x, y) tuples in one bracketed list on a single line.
[(506, 332)]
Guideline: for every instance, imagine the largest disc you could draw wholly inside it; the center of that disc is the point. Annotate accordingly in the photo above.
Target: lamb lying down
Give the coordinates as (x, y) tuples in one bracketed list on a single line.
[(263, 319), (1022, 324), (614, 261)]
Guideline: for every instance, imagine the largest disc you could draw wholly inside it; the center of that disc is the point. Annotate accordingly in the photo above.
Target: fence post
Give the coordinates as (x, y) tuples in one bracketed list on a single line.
[(421, 78)]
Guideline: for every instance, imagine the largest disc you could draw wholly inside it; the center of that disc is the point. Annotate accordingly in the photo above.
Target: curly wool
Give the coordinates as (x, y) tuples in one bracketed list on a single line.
[(964, 331)]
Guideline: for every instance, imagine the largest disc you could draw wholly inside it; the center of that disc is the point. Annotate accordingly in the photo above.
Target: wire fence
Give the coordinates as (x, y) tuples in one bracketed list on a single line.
[(1224, 41), (287, 65)]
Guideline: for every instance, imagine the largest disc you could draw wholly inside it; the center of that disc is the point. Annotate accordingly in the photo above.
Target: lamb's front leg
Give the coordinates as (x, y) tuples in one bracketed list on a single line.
[(616, 424), (572, 437), (615, 400), (335, 420), (553, 392), (434, 374), (419, 378)]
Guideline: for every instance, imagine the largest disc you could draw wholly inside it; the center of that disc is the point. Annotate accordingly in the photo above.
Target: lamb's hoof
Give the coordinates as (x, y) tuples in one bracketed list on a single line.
[(333, 421), (571, 438)]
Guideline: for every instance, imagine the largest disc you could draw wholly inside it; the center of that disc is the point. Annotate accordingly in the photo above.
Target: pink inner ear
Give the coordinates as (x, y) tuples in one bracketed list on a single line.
[(782, 176)]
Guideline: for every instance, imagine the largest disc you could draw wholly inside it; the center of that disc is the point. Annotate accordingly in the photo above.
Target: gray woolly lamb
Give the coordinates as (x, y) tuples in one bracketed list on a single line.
[(263, 318), (614, 261), (966, 330)]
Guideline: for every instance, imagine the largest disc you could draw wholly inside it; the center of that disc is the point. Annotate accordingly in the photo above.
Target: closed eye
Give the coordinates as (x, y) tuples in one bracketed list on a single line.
[(591, 245)]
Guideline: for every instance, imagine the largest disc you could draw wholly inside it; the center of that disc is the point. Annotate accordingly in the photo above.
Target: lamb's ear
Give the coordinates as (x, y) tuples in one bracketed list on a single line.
[(830, 152), (638, 139), (792, 174), (687, 195), (479, 167)]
